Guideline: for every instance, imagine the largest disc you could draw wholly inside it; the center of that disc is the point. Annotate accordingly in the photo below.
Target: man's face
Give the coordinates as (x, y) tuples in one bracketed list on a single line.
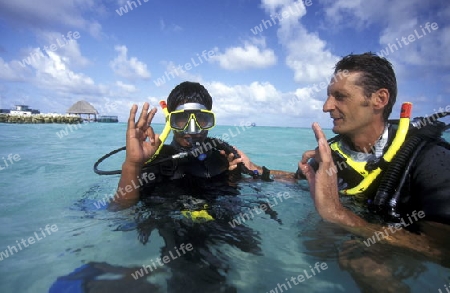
[(350, 110), (189, 140)]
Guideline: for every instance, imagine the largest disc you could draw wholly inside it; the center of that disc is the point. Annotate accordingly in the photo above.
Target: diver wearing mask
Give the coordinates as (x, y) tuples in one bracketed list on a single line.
[(191, 164)]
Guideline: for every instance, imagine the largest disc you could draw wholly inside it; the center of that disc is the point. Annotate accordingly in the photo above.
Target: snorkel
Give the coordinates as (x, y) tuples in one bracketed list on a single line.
[(165, 133)]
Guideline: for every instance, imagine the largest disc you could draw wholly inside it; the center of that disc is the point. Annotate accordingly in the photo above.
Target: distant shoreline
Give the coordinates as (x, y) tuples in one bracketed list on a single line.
[(40, 119)]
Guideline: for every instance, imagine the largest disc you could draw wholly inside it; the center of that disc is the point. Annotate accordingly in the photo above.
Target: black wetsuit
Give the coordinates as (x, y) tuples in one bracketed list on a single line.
[(427, 184), (200, 181), (203, 174)]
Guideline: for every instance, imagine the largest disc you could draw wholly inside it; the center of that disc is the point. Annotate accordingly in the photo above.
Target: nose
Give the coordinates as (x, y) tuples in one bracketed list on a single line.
[(328, 106)]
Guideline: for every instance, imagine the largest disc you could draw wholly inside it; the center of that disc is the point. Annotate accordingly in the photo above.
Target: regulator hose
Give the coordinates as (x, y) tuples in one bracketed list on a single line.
[(162, 137), (392, 208), (390, 177), (191, 153), (114, 172), (391, 183)]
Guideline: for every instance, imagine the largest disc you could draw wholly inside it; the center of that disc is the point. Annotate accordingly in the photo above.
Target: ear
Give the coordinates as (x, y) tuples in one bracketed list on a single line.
[(380, 98)]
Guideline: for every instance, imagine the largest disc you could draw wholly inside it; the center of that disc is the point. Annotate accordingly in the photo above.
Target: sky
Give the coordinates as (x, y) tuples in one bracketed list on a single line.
[(266, 62)]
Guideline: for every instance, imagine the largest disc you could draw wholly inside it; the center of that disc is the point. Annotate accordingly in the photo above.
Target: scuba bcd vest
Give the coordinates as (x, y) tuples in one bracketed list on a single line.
[(204, 160), (170, 158), (370, 174), (380, 181)]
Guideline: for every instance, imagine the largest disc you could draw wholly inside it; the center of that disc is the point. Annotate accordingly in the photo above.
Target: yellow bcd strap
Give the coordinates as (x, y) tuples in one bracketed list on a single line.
[(355, 165), (369, 178), (198, 216)]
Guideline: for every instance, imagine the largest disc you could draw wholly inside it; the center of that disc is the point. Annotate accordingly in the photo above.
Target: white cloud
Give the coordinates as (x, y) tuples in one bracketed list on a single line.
[(108, 106), (307, 54), (52, 72), (13, 71), (353, 13), (66, 46), (171, 27), (308, 57), (253, 55), (121, 107), (177, 72), (129, 88), (262, 102), (53, 14), (402, 19), (131, 69)]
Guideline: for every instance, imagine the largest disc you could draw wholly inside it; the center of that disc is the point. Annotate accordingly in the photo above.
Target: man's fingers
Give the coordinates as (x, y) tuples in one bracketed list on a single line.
[(310, 176), (142, 122), (147, 128), (232, 160), (150, 133), (318, 131), (308, 155), (236, 161), (150, 116), (325, 151), (132, 117)]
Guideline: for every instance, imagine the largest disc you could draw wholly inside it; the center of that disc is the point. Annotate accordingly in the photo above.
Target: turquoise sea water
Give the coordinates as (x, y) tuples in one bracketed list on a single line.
[(52, 183)]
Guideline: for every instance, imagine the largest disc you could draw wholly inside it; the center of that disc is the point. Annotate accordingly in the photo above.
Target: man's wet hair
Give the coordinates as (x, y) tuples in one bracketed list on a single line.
[(377, 73), (188, 92)]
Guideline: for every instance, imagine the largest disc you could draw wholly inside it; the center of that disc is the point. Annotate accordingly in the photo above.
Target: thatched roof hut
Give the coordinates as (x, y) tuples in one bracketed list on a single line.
[(83, 107)]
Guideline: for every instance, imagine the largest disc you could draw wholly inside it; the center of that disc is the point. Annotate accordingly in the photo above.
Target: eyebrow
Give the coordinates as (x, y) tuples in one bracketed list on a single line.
[(337, 92)]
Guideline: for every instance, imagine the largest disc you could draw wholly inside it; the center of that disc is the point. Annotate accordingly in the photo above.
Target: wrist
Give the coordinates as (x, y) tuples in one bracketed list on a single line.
[(130, 166), (265, 174), (256, 168), (335, 214)]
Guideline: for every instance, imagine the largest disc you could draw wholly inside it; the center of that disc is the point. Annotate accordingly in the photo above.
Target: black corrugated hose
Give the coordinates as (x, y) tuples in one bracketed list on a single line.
[(388, 194)]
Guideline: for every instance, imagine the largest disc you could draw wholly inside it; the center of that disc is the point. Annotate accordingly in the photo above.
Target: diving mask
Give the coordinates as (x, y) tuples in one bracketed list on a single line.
[(191, 118)]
